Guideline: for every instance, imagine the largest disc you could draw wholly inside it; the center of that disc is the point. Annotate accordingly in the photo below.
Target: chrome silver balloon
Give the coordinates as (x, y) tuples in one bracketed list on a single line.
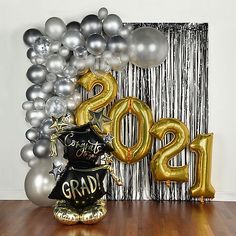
[(64, 87), (32, 135), (55, 63), (100, 66), (55, 46), (35, 91), (69, 71), (30, 36), (56, 107), (26, 152), (90, 25), (72, 39), (117, 44), (74, 25), (28, 105), (112, 25), (42, 148), (37, 116), (77, 97), (116, 64), (51, 77), (42, 46), (48, 87), (64, 52), (55, 28), (39, 104), (39, 60), (31, 53), (80, 52), (89, 61), (96, 44), (102, 13), (45, 130), (147, 47), (71, 105), (78, 63), (124, 33), (36, 74)]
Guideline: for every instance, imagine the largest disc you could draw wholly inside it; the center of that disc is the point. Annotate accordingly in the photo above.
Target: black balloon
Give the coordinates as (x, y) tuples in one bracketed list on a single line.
[(30, 36), (74, 25)]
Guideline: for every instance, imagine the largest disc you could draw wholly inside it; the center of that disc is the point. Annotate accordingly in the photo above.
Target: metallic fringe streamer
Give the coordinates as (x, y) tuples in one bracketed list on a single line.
[(178, 88)]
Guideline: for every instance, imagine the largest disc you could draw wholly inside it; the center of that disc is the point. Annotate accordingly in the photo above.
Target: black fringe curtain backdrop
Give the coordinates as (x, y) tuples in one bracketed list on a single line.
[(178, 88)]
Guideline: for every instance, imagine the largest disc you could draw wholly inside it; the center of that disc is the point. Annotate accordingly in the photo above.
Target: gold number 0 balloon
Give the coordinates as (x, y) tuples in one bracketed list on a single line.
[(145, 121), (107, 94), (160, 167)]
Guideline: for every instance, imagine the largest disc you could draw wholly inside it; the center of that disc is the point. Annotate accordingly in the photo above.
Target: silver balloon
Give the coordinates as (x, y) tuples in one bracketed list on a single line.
[(56, 107), (55, 63), (36, 74), (35, 91), (55, 28), (72, 39), (30, 36), (45, 130), (39, 104), (51, 77), (116, 64), (74, 25), (89, 61), (78, 63), (64, 52), (117, 44), (31, 53), (69, 71), (48, 87), (77, 97), (55, 46), (64, 87), (100, 66), (96, 44), (42, 46), (147, 47), (102, 13), (35, 123), (34, 115), (71, 105), (81, 52), (32, 135), (124, 33), (112, 25), (91, 25), (42, 148), (39, 183), (28, 105), (26, 152), (39, 60)]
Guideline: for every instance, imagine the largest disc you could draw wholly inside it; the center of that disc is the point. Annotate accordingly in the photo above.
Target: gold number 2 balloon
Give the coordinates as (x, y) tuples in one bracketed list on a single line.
[(145, 121), (160, 167), (102, 99), (202, 146)]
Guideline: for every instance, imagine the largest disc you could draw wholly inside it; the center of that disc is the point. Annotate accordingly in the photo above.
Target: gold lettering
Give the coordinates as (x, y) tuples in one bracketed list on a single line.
[(84, 186), (92, 183), (74, 188), (66, 192)]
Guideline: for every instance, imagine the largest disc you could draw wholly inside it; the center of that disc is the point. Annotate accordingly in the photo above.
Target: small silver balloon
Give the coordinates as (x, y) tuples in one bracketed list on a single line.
[(42, 148), (31, 53), (51, 77), (30, 36), (96, 44), (39, 60), (35, 123), (124, 33), (42, 46), (116, 63), (37, 74), (34, 162), (117, 44), (80, 52), (32, 135), (64, 52), (55, 28), (72, 39), (77, 97), (56, 107), (39, 104), (64, 87), (112, 25), (48, 87), (39, 183), (26, 152), (90, 25), (69, 71), (28, 105), (89, 61), (55, 63), (78, 63), (100, 66), (38, 115), (147, 47), (102, 13), (35, 91), (55, 46), (45, 130), (74, 25), (71, 105)]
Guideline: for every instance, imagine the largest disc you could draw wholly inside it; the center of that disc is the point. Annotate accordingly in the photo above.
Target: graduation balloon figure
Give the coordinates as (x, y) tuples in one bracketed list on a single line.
[(79, 186)]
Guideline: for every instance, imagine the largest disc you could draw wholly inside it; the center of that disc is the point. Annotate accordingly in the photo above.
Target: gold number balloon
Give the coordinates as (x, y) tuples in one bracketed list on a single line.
[(145, 121), (160, 167), (102, 99), (202, 146)]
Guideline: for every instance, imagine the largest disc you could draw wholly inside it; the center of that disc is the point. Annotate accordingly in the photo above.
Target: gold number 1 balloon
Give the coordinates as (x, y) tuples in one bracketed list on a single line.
[(202, 146), (145, 121), (102, 99), (160, 167)]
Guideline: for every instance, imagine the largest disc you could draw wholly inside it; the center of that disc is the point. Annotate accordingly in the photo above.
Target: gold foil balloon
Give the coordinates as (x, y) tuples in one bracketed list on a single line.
[(144, 116), (202, 146), (160, 167), (102, 99)]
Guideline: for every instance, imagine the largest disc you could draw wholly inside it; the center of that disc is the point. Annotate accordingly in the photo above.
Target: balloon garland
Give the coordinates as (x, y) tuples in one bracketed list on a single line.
[(78, 135)]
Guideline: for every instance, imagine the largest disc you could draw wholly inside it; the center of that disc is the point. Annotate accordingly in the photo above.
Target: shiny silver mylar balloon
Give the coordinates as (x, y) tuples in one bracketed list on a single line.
[(100, 66), (64, 52), (77, 97), (56, 107), (90, 25), (39, 183), (37, 74), (78, 63), (51, 77), (81, 52), (147, 47), (96, 44), (28, 105), (89, 61), (32, 135), (117, 44), (55, 46), (74, 25), (72, 39), (55, 28), (64, 87), (31, 53), (26, 152), (35, 115), (39, 104), (42, 148), (42, 46), (102, 13), (30, 36), (112, 25), (55, 63), (116, 64), (35, 91), (69, 71), (71, 105), (45, 130), (48, 87)]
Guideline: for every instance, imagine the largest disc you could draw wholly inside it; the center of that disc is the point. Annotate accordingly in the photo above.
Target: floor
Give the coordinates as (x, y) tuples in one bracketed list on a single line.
[(22, 218)]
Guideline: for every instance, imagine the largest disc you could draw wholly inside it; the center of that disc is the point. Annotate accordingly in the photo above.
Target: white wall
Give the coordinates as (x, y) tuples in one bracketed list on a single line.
[(18, 15)]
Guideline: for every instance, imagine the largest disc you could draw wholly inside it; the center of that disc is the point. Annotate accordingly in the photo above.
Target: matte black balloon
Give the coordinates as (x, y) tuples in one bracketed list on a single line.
[(74, 25), (30, 36)]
